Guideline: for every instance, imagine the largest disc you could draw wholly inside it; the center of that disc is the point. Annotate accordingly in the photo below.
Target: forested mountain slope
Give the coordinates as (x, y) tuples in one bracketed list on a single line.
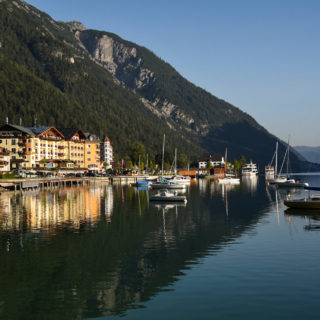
[(65, 75)]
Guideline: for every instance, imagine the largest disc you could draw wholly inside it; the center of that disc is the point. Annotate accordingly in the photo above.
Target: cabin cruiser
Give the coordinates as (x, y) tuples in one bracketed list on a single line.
[(249, 170), (181, 179)]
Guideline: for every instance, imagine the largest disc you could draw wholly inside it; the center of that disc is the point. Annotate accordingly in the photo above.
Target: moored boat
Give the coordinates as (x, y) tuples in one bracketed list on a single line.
[(249, 170), (305, 203), (167, 184), (310, 202), (181, 179)]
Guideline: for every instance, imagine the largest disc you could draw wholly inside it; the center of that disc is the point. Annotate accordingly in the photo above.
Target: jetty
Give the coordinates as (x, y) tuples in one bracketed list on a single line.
[(23, 184)]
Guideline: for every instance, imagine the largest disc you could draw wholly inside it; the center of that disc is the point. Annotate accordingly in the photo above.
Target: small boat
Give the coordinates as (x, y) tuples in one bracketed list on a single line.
[(249, 170), (305, 203), (166, 195), (167, 184), (180, 179), (291, 183), (310, 202), (269, 172)]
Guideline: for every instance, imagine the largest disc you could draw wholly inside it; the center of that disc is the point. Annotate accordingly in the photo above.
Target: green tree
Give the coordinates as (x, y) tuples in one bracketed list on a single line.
[(129, 165), (183, 161), (137, 150)]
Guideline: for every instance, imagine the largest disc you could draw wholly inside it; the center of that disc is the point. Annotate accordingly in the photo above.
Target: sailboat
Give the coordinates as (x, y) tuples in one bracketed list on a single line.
[(178, 178), (228, 178), (285, 181)]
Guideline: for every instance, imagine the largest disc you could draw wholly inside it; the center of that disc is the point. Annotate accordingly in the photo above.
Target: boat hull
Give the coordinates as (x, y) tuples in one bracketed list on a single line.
[(303, 204)]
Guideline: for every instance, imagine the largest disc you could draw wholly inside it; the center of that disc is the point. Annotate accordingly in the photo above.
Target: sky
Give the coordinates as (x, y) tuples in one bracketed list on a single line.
[(261, 56)]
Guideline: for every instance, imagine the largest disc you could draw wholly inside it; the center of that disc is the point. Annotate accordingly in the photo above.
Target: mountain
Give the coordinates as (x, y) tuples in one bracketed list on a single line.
[(65, 75), (312, 154)]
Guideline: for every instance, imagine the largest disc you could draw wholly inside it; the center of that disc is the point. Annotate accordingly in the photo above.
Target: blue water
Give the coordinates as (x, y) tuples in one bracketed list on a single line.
[(105, 252)]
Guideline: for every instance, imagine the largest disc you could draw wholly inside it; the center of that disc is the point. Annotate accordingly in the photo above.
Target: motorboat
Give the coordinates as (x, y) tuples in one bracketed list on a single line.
[(306, 203), (249, 170), (290, 183), (269, 172), (167, 184), (181, 179), (166, 195), (310, 202)]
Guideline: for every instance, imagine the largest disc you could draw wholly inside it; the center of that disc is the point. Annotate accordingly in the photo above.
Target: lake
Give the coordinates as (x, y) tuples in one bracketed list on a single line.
[(106, 252)]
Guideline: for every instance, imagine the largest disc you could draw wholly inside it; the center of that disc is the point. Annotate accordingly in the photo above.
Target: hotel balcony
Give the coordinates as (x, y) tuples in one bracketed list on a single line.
[(61, 147), (61, 154)]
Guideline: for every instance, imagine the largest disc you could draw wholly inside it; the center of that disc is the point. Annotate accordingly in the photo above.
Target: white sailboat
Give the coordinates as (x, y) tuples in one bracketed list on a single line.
[(228, 178), (178, 178), (285, 181), (277, 178)]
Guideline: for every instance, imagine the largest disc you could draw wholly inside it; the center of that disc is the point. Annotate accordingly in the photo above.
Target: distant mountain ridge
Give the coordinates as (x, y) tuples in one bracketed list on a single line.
[(65, 75), (312, 154)]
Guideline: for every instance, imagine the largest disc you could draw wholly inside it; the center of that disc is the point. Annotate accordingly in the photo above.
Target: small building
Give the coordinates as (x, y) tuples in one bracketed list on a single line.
[(214, 160), (92, 152), (107, 151)]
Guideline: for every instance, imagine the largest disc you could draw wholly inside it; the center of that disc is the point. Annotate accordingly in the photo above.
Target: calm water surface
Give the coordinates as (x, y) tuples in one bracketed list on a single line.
[(232, 252)]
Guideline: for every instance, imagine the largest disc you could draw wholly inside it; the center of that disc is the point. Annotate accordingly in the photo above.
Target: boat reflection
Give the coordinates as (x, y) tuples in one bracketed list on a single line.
[(250, 182)]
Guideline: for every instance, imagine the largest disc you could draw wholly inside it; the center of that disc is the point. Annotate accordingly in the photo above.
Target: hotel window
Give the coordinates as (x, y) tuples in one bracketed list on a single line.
[(88, 152), (88, 159), (13, 142)]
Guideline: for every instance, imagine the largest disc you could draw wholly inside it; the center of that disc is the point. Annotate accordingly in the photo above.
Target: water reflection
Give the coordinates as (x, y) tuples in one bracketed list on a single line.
[(124, 251), (251, 183), (45, 211)]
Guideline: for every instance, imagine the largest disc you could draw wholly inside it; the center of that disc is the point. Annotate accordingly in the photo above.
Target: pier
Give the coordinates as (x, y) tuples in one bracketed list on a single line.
[(58, 182)]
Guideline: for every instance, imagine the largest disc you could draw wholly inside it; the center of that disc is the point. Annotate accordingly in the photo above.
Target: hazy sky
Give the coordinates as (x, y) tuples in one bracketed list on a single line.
[(261, 56)]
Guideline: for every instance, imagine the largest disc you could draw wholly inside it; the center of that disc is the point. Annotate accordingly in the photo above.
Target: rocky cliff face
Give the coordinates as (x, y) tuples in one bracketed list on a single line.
[(127, 68)]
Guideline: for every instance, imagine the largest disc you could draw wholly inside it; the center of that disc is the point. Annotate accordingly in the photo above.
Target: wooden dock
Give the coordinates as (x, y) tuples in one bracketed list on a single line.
[(58, 182)]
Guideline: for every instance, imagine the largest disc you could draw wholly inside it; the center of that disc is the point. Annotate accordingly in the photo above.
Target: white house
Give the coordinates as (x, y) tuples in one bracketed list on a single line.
[(215, 160), (107, 151)]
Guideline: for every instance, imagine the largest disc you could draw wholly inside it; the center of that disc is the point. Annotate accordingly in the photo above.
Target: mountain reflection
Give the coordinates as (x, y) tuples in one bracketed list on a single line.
[(124, 250)]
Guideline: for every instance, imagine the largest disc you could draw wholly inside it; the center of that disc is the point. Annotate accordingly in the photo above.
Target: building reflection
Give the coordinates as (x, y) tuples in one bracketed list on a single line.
[(46, 210)]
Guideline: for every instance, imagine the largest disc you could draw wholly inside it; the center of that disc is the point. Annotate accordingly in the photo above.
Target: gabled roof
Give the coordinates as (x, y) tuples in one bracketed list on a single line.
[(42, 129), (8, 127), (70, 132)]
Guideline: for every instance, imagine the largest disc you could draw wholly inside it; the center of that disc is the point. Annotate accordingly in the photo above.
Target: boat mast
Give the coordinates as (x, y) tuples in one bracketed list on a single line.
[(276, 161), (164, 139), (288, 158), (225, 162), (175, 161), (147, 166)]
